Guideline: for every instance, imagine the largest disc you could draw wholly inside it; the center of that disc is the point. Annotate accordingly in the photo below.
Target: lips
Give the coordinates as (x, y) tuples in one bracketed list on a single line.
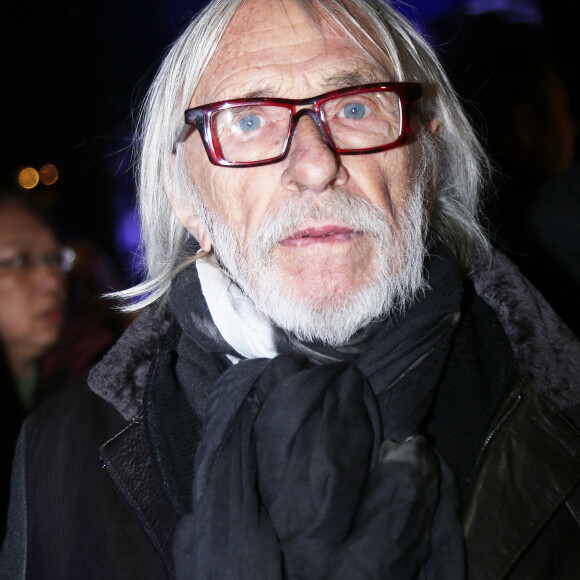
[(54, 315), (331, 234)]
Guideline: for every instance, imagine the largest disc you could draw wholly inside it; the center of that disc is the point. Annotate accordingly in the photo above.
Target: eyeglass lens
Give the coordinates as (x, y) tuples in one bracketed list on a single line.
[(62, 259), (356, 121)]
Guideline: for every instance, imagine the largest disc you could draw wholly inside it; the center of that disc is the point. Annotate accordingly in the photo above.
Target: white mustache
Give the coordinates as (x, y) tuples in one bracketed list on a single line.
[(341, 209)]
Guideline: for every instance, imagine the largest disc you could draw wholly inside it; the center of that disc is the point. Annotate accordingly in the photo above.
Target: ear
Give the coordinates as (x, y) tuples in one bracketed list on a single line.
[(185, 213), (190, 221), (435, 127)]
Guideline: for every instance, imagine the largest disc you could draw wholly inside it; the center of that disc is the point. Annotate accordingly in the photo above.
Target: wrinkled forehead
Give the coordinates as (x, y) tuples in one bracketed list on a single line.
[(274, 48)]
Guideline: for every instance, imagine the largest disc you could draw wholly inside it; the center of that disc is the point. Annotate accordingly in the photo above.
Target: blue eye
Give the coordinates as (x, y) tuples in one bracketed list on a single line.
[(249, 123), (354, 111)]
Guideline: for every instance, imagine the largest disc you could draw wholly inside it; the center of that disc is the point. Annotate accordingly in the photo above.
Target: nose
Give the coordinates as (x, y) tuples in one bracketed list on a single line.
[(311, 163), (49, 279)]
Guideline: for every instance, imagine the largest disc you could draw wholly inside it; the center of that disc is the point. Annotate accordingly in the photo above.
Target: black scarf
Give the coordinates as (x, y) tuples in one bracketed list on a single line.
[(309, 464)]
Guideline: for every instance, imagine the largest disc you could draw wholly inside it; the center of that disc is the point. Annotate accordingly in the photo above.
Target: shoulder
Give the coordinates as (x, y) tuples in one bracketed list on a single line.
[(95, 406), (73, 410)]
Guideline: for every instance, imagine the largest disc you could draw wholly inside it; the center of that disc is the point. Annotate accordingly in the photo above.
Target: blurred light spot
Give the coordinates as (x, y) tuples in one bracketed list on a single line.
[(128, 232), (48, 174), (28, 178)]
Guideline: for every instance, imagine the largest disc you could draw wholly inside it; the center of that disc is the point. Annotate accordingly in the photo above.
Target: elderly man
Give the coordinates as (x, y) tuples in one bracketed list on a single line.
[(333, 376)]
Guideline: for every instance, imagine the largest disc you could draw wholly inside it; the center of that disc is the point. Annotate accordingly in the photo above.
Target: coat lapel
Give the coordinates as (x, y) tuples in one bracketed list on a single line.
[(129, 464), (528, 468)]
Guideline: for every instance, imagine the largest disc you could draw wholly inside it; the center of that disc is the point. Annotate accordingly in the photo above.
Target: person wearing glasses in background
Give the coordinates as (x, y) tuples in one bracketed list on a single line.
[(33, 294), (333, 374)]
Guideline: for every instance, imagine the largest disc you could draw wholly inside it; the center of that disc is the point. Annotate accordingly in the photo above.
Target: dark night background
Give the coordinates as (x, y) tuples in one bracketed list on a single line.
[(73, 74)]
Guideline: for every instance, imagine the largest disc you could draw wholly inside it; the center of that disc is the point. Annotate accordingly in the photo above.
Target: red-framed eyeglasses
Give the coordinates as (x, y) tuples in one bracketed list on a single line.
[(354, 121)]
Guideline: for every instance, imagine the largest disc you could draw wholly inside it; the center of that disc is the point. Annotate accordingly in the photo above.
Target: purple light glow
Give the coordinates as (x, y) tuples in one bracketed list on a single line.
[(525, 11)]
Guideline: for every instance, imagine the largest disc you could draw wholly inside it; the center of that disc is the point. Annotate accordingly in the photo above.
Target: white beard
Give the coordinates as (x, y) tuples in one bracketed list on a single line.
[(395, 279)]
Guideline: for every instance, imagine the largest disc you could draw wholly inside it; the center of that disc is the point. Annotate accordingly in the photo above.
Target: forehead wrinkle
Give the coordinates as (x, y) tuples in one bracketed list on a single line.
[(249, 22), (339, 80), (254, 85), (290, 23)]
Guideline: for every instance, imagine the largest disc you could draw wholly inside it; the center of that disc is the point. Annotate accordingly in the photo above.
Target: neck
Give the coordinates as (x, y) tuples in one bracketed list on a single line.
[(21, 365)]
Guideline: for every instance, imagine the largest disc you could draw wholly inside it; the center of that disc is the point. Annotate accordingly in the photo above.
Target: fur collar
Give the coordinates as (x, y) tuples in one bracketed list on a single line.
[(545, 350), (120, 377)]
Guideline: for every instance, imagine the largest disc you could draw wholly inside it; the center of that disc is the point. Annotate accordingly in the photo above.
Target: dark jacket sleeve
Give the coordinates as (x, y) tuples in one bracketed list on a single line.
[(13, 555)]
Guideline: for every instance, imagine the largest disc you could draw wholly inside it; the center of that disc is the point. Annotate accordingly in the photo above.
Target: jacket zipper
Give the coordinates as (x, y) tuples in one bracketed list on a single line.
[(505, 417), (111, 473)]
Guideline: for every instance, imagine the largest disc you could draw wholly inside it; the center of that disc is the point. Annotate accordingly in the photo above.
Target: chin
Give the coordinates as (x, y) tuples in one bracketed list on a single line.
[(320, 312), (325, 291), (48, 338)]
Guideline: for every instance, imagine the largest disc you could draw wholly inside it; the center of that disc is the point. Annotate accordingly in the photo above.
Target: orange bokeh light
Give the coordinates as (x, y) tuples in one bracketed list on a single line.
[(28, 178), (48, 174)]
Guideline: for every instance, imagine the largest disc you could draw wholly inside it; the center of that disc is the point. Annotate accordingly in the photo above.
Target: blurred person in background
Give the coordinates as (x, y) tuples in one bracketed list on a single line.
[(53, 322), (33, 294)]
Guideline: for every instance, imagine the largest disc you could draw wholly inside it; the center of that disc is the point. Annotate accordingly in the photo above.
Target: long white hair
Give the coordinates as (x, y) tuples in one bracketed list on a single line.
[(456, 162)]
